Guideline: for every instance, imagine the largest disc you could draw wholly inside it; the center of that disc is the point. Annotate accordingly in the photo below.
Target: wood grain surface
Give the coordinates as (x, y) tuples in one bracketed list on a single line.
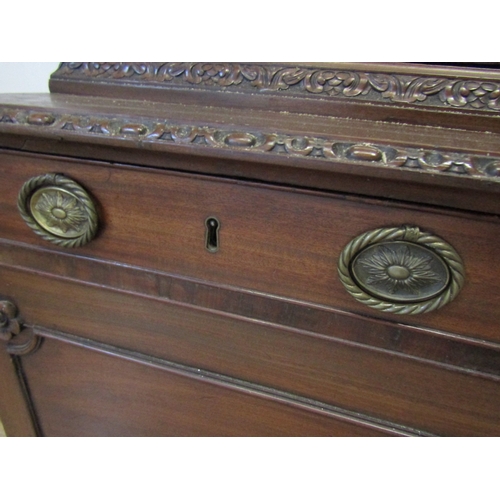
[(466, 353), (370, 381), (279, 241), (51, 131), (92, 394), (162, 327), (14, 411)]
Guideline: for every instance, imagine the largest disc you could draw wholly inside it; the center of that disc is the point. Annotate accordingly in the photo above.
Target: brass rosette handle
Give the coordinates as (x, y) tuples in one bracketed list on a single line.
[(401, 270), (58, 210)]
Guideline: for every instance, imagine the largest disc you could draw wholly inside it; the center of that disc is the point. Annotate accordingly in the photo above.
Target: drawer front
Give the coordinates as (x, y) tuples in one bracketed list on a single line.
[(277, 241), (379, 384)]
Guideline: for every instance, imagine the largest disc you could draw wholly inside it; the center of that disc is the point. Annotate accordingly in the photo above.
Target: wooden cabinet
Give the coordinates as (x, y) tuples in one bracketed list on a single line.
[(185, 255)]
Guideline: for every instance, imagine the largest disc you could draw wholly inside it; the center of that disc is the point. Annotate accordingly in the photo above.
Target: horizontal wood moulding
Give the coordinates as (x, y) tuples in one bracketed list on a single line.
[(378, 384), (385, 184), (41, 114), (279, 241), (92, 401), (438, 165), (393, 85), (99, 119), (275, 397), (460, 353)]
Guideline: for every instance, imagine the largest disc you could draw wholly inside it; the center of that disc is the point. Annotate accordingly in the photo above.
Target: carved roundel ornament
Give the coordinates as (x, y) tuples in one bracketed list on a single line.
[(401, 270), (59, 210)]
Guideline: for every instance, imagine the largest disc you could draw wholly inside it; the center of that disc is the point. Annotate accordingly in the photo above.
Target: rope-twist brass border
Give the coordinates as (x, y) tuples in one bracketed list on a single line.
[(59, 180), (414, 235)]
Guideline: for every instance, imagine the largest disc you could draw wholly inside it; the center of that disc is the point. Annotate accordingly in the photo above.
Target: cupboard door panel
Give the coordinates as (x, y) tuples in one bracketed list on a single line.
[(79, 392)]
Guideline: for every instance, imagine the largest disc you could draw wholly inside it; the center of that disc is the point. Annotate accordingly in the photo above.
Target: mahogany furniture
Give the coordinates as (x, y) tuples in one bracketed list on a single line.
[(202, 249)]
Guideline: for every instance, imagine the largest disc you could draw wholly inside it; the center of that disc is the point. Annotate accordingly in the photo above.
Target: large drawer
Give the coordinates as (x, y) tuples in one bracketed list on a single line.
[(272, 240)]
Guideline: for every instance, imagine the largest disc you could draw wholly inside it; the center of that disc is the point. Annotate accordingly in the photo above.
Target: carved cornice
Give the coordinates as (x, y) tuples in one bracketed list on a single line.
[(435, 91), (401, 270), (277, 144)]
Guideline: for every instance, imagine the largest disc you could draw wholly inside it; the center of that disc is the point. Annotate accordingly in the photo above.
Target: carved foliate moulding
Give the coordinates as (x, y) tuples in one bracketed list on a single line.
[(436, 90), (164, 135), (19, 340), (402, 270), (59, 210)]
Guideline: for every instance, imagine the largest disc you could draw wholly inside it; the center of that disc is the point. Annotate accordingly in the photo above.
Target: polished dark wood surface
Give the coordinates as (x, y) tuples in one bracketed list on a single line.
[(127, 132), (274, 240), (15, 412), (145, 332), (376, 382), (149, 400)]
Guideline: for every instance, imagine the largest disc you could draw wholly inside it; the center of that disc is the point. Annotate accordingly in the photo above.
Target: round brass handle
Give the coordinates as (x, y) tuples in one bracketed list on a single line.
[(402, 270), (58, 209)]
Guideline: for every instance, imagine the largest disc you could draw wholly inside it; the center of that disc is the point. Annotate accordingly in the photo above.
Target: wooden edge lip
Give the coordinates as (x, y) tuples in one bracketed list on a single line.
[(319, 151), (231, 383), (472, 196), (439, 348)]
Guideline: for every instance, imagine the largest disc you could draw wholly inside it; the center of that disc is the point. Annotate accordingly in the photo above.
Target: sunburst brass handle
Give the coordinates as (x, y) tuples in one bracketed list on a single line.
[(59, 210), (402, 270)]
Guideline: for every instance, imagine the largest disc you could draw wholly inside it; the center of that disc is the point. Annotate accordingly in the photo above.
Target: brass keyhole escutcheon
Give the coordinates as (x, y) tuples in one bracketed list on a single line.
[(212, 225)]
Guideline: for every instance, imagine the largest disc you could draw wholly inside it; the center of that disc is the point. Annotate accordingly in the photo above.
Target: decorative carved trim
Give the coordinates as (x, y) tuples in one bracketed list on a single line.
[(324, 148), (25, 343), (10, 323), (295, 80), (19, 340)]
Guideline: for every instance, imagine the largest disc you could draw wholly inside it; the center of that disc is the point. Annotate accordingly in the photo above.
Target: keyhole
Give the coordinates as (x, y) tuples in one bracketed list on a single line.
[(212, 234)]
